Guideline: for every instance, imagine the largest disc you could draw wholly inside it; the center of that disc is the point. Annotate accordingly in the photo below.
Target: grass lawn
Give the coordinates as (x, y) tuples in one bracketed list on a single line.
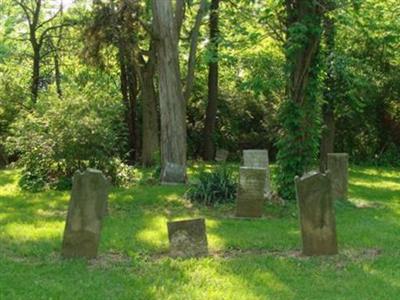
[(249, 259)]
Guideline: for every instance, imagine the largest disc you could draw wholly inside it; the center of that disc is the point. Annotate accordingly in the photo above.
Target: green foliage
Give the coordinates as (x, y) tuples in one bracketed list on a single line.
[(82, 130), (301, 111), (215, 187)]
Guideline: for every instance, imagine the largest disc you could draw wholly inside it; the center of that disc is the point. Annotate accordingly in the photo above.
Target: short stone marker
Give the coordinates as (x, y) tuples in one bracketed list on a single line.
[(338, 166), (221, 155), (258, 159), (188, 238), (317, 215), (173, 174), (250, 198), (85, 213)]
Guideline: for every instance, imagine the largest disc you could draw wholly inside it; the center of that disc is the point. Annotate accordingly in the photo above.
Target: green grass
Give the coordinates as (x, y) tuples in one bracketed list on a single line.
[(250, 259)]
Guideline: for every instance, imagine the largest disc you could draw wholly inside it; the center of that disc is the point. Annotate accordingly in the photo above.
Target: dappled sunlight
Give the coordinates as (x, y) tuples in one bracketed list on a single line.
[(32, 232), (155, 233)]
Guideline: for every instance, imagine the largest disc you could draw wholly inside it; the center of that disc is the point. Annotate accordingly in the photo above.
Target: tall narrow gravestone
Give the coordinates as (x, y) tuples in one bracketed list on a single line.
[(317, 215), (188, 238), (258, 159), (250, 198), (85, 213), (338, 165)]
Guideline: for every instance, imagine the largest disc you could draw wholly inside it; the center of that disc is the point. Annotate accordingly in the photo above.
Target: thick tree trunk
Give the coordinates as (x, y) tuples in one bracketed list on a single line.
[(328, 131), (151, 139), (172, 103), (212, 104), (298, 145)]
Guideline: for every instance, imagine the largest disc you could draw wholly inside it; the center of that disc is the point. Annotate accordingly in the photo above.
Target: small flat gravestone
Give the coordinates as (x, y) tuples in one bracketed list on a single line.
[(86, 210), (173, 174), (317, 215), (221, 155), (250, 198), (338, 165), (188, 238), (259, 159)]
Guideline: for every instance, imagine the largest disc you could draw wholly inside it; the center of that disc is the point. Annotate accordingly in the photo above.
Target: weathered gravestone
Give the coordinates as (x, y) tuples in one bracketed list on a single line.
[(188, 238), (86, 210), (250, 197), (258, 159), (221, 155), (317, 215), (173, 174), (338, 165)]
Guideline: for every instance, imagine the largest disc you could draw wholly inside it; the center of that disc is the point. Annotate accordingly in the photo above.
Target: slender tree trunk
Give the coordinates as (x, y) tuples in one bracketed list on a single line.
[(193, 49), (129, 121), (57, 73), (3, 158), (328, 131), (151, 139), (35, 74), (172, 103), (212, 104), (132, 96)]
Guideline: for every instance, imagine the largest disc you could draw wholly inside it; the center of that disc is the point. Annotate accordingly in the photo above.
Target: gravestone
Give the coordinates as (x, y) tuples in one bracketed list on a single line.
[(338, 165), (87, 208), (187, 238), (317, 215), (173, 174), (250, 197), (221, 155), (258, 159)]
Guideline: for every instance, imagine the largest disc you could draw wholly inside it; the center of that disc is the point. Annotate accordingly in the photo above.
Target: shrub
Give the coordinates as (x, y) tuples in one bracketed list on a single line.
[(84, 129), (216, 187)]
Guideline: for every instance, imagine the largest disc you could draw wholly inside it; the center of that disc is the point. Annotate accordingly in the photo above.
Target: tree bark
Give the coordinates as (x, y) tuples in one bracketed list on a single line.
[(35, 74), (194, 37), (151, 139), (212, 104), (126, 99), (172, 103), (328, 130)]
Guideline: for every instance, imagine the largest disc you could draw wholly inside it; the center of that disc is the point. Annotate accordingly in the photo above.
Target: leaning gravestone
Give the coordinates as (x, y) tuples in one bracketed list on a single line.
[(317, 215), (338, 165), (86, 210), (173, 174), (221, 155), (258, 159), (250, 198), (188, 238)]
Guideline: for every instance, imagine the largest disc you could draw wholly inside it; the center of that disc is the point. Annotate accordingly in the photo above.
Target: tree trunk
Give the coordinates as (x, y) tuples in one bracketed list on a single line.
[(194, 37), (132, 95), (151, 139), (3, 158), (57, 73), (172, 103), (299, 142), (35, 74), (129, 121), (328, 137), (328, 131), (212, 104)]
